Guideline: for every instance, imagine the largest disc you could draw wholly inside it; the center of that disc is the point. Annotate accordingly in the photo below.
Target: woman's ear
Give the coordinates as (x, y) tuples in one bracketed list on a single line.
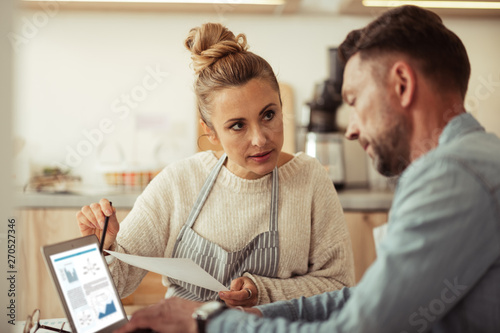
[(404, 82), (211, 135)]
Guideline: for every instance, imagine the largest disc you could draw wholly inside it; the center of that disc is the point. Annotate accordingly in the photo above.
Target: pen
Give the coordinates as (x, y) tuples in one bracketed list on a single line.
[(106, 220)]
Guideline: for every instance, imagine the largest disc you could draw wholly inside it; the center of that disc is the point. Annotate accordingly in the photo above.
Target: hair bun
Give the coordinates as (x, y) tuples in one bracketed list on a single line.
[(211, 42)]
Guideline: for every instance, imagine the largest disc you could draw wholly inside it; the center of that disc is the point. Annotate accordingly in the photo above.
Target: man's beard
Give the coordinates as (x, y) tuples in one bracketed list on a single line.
[(392, 148)]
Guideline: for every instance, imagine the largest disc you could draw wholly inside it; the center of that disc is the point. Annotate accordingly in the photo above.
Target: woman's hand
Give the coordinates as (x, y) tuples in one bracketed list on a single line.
[(91, 221), (243, 293)]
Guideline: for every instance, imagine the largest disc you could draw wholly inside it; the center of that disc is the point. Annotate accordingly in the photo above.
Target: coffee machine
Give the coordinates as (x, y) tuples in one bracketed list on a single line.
[(318, 133)]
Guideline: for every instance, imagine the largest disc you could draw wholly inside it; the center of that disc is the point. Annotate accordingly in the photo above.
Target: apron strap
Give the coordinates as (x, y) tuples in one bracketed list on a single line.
[(207, 187), (205, 191), (273, 220)]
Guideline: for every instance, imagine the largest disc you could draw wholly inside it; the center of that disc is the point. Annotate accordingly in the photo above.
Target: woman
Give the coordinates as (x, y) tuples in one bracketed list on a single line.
[(263, 222)]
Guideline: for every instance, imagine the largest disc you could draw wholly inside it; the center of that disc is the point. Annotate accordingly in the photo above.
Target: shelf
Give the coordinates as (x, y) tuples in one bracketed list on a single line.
[(289, 6), (355, 7)]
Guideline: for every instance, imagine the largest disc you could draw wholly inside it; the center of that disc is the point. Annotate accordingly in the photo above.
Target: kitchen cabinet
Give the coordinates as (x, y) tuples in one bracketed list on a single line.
[(361, 225), (41, 226)]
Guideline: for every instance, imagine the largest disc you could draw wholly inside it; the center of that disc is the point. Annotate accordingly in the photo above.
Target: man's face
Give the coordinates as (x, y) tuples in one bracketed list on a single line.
[(376, 121)]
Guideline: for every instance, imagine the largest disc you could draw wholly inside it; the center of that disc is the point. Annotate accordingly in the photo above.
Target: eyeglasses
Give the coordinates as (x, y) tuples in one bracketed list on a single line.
[(33, 321)]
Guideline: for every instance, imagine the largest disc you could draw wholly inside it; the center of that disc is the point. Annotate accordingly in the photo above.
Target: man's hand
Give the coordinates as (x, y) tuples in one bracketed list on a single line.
[(243, 293), (169, 315)]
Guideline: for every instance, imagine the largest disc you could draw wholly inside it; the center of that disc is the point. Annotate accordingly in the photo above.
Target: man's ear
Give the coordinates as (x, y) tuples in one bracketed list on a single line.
[(211, 135), (404, 82)]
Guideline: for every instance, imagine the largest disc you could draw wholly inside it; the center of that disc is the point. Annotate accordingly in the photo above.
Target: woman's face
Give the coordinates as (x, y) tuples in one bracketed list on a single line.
[(248, 124)]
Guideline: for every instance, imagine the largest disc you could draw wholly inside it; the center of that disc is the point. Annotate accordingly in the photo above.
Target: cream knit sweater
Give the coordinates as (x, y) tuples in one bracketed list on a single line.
[(315, 248)]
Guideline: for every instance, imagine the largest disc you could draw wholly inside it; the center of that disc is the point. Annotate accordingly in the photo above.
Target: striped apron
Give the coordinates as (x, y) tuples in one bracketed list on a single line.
[(260, 256)]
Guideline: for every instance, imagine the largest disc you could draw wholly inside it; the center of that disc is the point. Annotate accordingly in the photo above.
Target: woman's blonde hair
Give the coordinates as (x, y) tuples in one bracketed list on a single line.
[(220, 61)]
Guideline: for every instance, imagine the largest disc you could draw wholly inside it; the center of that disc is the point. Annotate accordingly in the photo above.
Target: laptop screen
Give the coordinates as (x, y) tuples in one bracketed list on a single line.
[(87, 288)]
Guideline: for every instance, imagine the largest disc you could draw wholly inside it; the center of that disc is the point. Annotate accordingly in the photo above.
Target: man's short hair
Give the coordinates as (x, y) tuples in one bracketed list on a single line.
[(420, 34)]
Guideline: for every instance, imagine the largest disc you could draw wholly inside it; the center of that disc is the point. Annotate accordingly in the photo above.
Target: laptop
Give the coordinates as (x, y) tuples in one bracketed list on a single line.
[(85, 286)]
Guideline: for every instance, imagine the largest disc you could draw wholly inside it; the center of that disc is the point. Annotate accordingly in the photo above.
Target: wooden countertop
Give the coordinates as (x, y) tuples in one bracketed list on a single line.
[(360, 199)]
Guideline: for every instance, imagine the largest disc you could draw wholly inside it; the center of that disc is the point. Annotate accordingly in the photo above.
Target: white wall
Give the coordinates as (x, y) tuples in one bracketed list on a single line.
[(72, 66), (483, 46)]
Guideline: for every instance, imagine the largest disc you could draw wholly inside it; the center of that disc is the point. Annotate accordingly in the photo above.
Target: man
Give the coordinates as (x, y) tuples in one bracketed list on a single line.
[(439, 267)]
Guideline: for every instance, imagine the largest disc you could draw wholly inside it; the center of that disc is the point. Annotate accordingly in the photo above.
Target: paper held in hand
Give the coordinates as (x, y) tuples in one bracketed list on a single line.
[(176, 268)]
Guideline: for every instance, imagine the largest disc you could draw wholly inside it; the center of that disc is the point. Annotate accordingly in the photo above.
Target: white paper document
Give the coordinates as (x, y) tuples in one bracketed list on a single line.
[(176, 268)]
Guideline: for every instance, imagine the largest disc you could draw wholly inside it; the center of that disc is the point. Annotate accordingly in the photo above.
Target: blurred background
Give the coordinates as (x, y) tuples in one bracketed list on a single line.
[(106, 87)]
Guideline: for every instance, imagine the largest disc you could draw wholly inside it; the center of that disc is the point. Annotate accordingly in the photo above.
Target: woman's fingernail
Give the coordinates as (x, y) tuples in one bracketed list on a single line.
[(108, 212), (223, 294)]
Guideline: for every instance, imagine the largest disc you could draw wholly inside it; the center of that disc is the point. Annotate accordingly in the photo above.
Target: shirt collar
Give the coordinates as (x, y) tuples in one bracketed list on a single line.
[(458, 127)]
